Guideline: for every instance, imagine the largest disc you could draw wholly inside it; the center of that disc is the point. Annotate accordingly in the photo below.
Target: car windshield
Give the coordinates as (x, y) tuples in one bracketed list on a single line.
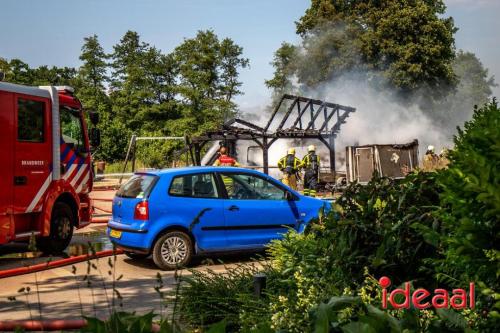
[(139, 186), (245, 186)]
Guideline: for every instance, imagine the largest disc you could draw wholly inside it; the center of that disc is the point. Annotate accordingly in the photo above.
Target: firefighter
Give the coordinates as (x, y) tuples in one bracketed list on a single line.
[(290, 166), (225, 160), (443, 159), (311, 164), (430, 160)]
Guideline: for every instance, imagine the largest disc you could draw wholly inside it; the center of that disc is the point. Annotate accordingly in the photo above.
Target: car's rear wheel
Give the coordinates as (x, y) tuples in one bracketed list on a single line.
[(135, 255), (173, 250), (61, 230)]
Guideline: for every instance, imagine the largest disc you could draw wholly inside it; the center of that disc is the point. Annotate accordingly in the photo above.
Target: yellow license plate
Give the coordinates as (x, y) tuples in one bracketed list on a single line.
[(115, 234)]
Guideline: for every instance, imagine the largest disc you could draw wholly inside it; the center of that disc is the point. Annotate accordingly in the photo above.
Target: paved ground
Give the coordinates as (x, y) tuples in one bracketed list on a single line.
[(64, 294)]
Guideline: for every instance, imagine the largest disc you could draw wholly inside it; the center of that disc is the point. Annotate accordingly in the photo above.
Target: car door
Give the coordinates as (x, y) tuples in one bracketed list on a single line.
[(194, 202), (256, 210)]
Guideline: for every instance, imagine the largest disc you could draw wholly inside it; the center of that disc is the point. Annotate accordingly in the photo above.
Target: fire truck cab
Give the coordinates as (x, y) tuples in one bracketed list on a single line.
[(46, 168)]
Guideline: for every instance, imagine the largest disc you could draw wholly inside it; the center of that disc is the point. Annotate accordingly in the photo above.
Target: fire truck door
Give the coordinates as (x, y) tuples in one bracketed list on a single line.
[(6, 165), (32, 160)]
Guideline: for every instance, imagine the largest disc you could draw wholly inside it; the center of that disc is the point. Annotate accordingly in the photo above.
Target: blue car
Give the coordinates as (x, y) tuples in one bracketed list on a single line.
[(174, 214)]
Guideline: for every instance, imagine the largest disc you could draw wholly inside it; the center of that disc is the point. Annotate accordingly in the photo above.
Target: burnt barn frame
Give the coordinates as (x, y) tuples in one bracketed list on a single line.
[(310, 119)]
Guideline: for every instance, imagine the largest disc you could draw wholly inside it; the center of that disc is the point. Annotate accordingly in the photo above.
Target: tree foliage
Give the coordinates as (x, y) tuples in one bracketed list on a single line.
[(17, 71), (283, 63), (474, 88), (208, 77), (139, 89), (409, 44), (471, 209)]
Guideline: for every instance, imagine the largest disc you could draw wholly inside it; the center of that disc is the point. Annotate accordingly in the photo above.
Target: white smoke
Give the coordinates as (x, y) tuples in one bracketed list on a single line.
[(378, 119)]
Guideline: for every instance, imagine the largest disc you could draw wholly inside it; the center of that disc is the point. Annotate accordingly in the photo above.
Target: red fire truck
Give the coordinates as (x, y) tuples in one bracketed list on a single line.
[(45, 172)]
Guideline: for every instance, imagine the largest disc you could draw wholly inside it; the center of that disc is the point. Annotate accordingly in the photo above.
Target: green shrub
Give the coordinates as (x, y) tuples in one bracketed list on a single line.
[(471, 211), (386, 225), (156, 154), (208, 297)]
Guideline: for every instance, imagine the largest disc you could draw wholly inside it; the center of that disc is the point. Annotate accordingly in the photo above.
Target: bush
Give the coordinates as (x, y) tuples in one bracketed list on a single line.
[(386, 225), (209, 297), (471, 210), (156, 153)]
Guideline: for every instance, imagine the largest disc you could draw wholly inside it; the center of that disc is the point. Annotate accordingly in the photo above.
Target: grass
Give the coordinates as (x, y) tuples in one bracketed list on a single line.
[(117, 167)]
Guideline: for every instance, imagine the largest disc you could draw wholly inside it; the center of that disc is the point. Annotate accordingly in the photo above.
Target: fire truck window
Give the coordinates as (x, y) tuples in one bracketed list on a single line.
[(30, 120), (71, 129)]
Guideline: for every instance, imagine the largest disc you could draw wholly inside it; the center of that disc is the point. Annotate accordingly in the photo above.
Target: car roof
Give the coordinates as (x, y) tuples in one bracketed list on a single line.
[(196, 169)]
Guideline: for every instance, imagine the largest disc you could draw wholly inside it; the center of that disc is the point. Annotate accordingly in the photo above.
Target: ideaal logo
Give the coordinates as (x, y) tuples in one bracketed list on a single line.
[(419, 298)]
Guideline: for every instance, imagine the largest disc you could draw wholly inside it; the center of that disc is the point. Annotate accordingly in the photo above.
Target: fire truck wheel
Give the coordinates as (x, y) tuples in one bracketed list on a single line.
[(61, 230), (173, 250)]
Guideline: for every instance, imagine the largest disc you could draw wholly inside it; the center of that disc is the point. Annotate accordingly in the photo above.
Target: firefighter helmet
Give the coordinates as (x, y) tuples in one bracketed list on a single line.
[(291, 151), (222, 150), (430, 148), (311, 148)]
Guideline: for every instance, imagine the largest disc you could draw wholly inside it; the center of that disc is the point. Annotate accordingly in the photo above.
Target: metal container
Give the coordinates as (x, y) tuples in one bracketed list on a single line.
[(388, 160)]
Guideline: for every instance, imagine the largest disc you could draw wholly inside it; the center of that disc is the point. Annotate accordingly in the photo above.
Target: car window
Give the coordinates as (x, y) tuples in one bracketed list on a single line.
[(245, 186), (194, 186), (138, 186)]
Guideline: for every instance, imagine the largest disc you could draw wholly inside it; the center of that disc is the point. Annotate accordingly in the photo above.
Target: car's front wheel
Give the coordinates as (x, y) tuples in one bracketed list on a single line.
[(173, 250)]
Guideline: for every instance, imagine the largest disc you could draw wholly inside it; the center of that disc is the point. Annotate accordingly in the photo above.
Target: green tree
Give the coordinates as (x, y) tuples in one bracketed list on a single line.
[(159, 104), (208, 78), (283, 63), (92, 75), (90, 87), (128, 87), (474, 81), (19, 72), (474, 88), (405, 42), (4, 65), (52, 76)]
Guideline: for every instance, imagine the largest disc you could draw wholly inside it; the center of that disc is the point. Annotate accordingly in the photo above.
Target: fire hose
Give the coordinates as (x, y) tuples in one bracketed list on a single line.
[(50, 325), (101, 218), (57, 263), (42, 325)]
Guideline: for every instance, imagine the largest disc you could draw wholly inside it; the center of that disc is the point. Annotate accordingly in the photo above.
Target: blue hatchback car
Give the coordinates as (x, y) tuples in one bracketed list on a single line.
[(174, 214)]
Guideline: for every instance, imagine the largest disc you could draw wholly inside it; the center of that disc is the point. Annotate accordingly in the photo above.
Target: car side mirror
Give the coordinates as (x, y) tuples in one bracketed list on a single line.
[(289, 196), (95, 137)]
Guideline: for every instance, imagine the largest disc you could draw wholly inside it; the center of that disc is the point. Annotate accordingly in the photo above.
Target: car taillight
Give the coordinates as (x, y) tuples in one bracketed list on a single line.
[(141, 211)]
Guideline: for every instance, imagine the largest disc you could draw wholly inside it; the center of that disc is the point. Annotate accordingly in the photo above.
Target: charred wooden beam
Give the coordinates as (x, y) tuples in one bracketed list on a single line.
[(265, 138), (327, 119), (301, 114), (313, 119), (287, 114), (276, 109)]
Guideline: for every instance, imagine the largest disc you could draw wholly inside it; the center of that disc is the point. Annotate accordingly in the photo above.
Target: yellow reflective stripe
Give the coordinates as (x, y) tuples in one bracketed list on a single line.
[(296, 163), (227, 180)]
